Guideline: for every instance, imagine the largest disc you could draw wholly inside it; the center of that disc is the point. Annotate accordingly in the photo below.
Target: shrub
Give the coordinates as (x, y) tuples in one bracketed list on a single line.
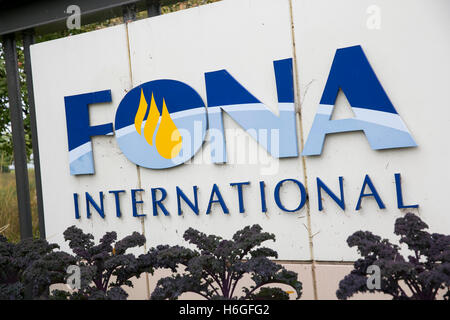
[(424, 272), (215, 270), (27, 268)]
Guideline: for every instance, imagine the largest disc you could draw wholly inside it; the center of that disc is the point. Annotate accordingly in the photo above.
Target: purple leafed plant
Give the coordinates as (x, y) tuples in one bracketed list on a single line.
[(215, 269), (27, 268), (104, 267), (419, 277)]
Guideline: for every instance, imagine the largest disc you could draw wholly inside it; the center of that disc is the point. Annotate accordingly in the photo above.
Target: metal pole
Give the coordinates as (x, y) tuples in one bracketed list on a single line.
[(28, 39), (153, 8), (18, 136)]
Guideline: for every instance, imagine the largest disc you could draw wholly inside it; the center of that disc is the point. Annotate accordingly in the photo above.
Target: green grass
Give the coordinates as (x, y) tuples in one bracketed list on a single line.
[(9, 215)]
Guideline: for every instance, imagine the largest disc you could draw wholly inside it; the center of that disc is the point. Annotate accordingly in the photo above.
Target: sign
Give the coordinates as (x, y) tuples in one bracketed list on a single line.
[(194, 120)]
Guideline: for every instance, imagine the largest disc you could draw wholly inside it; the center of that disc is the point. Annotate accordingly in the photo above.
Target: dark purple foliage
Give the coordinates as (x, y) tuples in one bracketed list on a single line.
[(104, 267), (424, 272), (216, 268), (27, 268)]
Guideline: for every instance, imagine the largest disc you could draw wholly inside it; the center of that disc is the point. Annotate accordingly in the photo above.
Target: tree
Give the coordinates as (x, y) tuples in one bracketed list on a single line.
[(215, 270), (424, 272), (6, 148)]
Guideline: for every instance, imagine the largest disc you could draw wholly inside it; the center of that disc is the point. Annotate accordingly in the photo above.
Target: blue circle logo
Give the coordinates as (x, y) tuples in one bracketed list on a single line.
[(161, 124)]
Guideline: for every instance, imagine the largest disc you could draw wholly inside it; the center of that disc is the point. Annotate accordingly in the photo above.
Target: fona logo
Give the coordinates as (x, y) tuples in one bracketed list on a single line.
[(162, 123)]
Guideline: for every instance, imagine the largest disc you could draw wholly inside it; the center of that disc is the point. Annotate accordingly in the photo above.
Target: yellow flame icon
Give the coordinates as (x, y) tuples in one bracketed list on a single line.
[(168, 140), (140, 114), (152, 121)]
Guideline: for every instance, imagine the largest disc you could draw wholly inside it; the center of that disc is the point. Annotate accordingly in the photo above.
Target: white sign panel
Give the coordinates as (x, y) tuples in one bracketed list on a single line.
[(311, 118)]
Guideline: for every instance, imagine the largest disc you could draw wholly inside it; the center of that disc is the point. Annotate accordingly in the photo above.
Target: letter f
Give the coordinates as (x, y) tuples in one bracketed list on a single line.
[(79, 131)]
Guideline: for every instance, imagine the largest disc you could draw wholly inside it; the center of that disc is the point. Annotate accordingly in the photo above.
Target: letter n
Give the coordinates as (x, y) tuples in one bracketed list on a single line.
[(275, 133)]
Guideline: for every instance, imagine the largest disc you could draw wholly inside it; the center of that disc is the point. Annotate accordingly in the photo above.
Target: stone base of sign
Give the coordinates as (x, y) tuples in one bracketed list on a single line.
[(328, 275)]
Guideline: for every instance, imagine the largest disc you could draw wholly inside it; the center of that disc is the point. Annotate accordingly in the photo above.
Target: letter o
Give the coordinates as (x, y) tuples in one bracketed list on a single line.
[(277, 195)]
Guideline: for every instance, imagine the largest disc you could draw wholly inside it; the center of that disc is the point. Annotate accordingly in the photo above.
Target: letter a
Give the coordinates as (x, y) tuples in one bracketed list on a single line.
[(374, 113)]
